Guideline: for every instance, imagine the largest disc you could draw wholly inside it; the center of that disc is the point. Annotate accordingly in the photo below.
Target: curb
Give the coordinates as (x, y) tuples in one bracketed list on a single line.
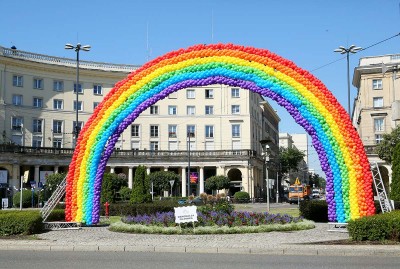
[(289, 251)]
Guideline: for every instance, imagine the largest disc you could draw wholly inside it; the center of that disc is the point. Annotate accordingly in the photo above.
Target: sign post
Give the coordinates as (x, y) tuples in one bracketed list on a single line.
[(297, 182), (171, 182)]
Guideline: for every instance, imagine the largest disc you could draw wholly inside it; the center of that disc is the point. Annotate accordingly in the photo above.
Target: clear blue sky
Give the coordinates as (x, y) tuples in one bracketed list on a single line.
[(305, 32)]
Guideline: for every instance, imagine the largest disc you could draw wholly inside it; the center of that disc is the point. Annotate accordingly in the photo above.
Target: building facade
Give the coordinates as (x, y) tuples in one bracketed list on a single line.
[(219, 127), (377, 105)]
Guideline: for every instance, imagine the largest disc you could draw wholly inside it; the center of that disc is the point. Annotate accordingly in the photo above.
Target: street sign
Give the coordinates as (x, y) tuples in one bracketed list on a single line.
[(297, 182)]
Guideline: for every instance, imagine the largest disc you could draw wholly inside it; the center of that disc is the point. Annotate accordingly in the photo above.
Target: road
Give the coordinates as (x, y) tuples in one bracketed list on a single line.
[(138, 260)]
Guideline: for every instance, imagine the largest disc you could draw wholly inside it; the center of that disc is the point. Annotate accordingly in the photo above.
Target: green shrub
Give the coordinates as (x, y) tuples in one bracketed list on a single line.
[(376, 228), (56, 215), (129, 209), (125, 193), (26, 198), (20, 222), (241, 197), (315, 210)]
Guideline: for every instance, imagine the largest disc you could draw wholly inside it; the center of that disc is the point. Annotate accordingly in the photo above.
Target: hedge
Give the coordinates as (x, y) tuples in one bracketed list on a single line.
[(315, 210), (129, 209), (376, 228), (20, 222)]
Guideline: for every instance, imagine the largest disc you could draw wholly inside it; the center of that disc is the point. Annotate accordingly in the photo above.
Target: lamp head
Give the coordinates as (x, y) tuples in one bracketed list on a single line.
[(68, 46)]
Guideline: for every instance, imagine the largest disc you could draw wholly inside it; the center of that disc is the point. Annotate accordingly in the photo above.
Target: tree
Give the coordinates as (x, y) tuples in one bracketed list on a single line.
[(161, 180), (289, 159), (52, 182), (107, 192), (139, 193), (111, 185), (217, 183), (386, 147), (316, 180), (395, 185)]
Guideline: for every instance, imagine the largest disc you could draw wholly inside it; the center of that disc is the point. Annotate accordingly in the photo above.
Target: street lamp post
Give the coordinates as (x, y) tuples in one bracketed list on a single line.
[(342, 50), (189, 134), (77, 48), (266, 153)]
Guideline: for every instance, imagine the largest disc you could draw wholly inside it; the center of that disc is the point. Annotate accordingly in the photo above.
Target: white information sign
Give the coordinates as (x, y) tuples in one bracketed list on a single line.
[(4, 202), (185, 214)]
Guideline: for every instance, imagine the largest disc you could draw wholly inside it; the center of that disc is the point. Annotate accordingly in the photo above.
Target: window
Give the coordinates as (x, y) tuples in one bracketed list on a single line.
[(190, 110), (80, 90), (209, 131), (191, 130), (80, 106), (57, 143), (17, 81), (17, 100), (153, 130), (58, 85), (135, 130), (209, 94), (190, 94), (37, 125), (377, 84), (153, 145), (135, 145), (379, 124), (38, 83), (37, 102), (16, 123), (57, 126), (153, 110), (16, 139), (97, 90), (172, 110), (172, 131), (58, 104), (80, 125), (235, 93), (235, 130), (209, 110), (378, 102), (36, 141), (235, 109), (378, 138), (95, 104)]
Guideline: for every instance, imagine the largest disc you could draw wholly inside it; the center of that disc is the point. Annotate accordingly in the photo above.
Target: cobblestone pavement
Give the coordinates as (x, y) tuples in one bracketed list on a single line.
[(290, 243)]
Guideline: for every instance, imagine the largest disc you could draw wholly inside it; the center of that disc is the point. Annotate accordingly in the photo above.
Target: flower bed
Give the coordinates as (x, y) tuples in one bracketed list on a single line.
[(215, 218)]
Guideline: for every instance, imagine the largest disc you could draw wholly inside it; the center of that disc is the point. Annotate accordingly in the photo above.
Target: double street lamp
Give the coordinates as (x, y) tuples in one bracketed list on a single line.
[(342, 50), (266, 154), (77, 48)]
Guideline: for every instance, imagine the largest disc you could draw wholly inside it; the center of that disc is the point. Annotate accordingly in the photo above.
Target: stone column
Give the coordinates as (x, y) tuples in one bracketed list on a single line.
[(130, 177), (183, 169), (148, 170), (201, 179), (36, 176), (55, 169), (166, 168)]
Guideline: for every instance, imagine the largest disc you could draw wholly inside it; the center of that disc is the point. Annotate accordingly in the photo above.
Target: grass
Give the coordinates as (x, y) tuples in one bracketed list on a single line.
[(147, 229)]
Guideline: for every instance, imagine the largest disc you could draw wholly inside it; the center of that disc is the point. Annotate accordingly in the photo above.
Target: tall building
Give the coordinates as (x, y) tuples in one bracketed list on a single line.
[(377, 105), (219, 127), (299, 142)]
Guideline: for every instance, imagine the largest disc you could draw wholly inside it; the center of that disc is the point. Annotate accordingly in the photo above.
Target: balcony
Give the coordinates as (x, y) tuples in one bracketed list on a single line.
[(178, 155)]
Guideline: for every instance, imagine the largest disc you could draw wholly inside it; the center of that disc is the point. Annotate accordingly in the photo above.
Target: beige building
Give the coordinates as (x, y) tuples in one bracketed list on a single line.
[(377, 105), (38, 115), (300, 142)]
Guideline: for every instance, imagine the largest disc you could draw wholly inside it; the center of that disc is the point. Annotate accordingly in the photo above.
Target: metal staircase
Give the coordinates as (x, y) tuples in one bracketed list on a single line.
[(54, 199), (384, 201)]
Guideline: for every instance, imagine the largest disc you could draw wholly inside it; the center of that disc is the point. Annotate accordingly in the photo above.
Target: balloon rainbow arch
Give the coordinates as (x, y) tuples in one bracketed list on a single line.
[(309, 102)]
